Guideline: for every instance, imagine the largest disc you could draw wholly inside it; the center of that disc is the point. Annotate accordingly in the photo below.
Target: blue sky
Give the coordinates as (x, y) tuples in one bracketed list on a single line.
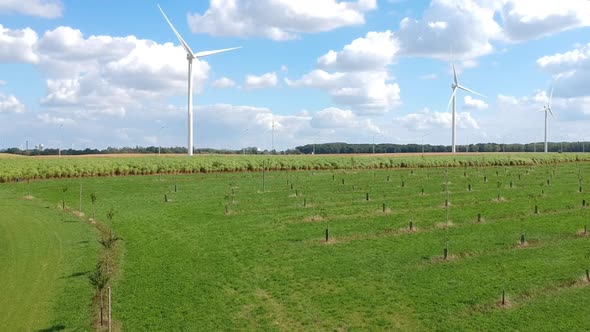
[(111, 73)]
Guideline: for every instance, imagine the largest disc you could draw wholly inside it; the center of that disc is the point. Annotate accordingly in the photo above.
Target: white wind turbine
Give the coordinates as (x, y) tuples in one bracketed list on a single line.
[(456, 86), (547, 109), (190, 56)]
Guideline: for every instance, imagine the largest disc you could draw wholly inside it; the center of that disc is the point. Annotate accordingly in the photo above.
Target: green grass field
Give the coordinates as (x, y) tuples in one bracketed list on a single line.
[(44, 258), (222, 254)]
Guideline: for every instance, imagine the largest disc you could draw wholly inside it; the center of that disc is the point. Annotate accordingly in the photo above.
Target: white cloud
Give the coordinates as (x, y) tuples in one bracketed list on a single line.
[(41, 8), (284, 68), (359, 78), (10, 104), (258, 82), (469, 28), (373, 52), (365, 92), (224, 83), (427, 120), (278, 19), (570, 71), (3, 82), (101, 74), (525, 20), (471, 103), (18, 45), (465, 28), (335, 118)]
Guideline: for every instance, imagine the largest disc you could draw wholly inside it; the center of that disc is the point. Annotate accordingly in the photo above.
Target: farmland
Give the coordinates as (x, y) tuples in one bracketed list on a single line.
[(409, 246)]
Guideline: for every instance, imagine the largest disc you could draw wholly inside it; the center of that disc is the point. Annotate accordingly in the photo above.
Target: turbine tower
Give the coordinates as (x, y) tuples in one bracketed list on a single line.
[(456, 86), (190, 56), (547, 109)]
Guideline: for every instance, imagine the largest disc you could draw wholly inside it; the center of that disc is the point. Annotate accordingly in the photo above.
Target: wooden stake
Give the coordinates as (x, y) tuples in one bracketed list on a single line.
[(367, 196), (536, 209), (479, 217), (503, 297), (383, 207), (175, 187), (263, 176), (327, 233), (522, 239), (587, 275), (411, 225), (446, 251), (110, 311), (165, 198), (80, 199)]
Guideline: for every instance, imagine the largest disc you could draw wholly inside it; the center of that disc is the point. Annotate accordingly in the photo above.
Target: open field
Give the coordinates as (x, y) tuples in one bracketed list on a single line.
[(222, 254)]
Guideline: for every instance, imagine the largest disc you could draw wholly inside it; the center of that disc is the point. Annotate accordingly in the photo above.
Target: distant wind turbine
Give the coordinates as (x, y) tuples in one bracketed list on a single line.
[(456, 86), (190, 56), (547, 109)]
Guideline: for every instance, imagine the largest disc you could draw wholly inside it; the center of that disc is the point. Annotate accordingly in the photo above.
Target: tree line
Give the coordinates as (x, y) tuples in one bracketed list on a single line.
[(324, 148)]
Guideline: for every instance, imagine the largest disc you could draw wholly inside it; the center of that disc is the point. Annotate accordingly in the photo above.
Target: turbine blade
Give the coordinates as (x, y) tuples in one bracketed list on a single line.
[(455, 75), (207, 53), (469, 90), (451, 100), (551, 112), (182, 42), (550, 97)]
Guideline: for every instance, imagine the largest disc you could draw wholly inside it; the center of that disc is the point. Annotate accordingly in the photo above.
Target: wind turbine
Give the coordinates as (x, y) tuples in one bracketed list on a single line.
[(547, 109), (456, 86), (190, 56)]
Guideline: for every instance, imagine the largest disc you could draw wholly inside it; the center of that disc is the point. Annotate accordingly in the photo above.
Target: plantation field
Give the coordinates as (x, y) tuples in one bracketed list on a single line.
[(224, 253), (47, 167)]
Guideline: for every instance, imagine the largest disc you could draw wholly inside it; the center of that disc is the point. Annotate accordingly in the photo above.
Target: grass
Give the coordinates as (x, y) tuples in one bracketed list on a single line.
[(44, 259), (264, 265)]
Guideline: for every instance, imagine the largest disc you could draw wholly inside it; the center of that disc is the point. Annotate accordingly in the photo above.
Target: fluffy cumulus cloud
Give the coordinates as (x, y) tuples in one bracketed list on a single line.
[(358, 76), (10, 104), (427, 120), (335, 118), (462, 27), (18, 45), (373, 52), (474, 104), (570, 71), (224, 83), (524, 20), (467, 29), (101, 74), (278, 19), (263, 81), (40, 8)]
